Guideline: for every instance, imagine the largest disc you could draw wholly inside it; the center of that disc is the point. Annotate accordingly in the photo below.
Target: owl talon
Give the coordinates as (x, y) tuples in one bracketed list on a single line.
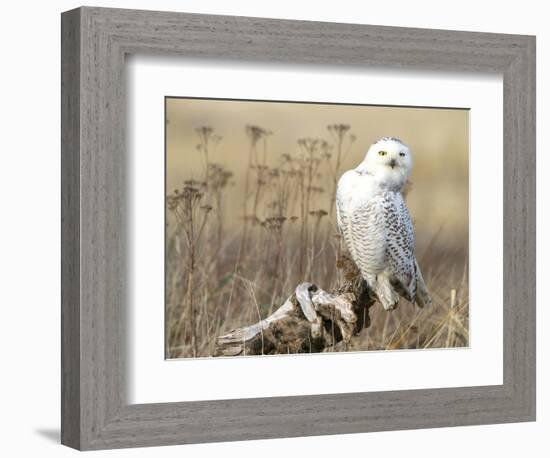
[(390, 307)]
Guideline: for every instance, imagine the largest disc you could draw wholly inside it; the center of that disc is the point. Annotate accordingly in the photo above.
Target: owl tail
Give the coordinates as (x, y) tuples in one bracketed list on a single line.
[(423, 298)]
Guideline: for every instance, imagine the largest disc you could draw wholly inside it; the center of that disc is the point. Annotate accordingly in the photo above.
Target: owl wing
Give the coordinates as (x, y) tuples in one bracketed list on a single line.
[(400, 246)]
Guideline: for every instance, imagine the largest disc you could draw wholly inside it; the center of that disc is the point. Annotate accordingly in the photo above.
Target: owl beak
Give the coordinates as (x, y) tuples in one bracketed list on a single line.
[(392, 163)]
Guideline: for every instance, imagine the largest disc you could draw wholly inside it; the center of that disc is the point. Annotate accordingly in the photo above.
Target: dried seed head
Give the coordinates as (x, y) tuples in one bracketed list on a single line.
[(315, 189), (256, 133), (318, 213), (274, 223), (338, 129)]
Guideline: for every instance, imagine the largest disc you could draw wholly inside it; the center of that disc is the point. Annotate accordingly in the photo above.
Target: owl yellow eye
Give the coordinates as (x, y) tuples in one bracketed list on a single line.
[(382, 153), (402, 154)]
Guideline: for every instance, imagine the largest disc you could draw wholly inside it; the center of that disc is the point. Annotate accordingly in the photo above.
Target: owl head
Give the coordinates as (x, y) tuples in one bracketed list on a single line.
[(389, 160)]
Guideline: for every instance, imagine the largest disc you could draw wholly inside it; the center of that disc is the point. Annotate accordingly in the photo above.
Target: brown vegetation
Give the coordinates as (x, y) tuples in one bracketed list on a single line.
[(220, 277)]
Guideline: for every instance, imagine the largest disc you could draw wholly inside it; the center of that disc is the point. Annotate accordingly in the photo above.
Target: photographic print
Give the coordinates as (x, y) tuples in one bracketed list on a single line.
[(300, 227)]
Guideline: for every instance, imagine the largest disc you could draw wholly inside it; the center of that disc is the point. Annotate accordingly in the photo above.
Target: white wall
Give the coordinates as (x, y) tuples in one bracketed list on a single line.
[(29, 229)]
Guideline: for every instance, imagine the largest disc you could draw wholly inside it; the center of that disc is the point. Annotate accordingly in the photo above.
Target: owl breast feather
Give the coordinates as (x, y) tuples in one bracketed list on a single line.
[(376, 228)]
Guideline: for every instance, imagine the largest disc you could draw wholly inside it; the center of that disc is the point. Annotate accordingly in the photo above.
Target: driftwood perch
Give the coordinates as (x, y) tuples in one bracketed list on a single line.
[(310, 321)]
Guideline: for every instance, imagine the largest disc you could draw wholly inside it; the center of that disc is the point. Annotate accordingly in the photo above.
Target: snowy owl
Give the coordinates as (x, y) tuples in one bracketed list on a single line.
[(376, 226)]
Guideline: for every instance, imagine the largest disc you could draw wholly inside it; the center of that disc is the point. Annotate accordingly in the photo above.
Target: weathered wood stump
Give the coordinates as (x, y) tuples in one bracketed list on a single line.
[(310, 321)]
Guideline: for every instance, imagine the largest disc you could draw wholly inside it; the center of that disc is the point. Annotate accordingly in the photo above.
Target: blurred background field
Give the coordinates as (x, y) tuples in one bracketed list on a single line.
[(250, 214)]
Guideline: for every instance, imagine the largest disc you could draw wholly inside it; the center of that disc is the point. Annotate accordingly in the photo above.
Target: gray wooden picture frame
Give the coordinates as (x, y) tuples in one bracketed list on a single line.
[(95, 41)]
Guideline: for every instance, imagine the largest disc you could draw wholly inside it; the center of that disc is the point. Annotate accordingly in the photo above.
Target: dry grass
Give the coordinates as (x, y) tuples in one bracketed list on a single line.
[(220, 276)]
